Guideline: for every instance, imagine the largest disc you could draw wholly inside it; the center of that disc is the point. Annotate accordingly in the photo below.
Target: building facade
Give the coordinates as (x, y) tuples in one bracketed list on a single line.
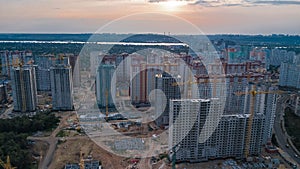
[(43, 64), (289, 75), (105, 85), (165, 83), (200, 132), (8, 58), (294, 102), (278, 56), (24, 88), (61, 87)]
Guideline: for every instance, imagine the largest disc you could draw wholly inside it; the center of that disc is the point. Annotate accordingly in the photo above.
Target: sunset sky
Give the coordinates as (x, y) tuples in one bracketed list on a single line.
[(210, 16)]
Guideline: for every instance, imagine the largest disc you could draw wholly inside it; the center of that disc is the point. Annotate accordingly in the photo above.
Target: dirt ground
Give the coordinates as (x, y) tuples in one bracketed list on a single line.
[(69, 152), (215, 164), (40, 148)]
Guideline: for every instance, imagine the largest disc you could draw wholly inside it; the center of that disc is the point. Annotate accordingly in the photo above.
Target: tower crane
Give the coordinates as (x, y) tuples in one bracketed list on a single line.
[(81, 162), (166, 65), (106, 105), (61, 57), (6, 165), (58, 58), (253, 94), (23, 96), (16, 62), (205, 80)]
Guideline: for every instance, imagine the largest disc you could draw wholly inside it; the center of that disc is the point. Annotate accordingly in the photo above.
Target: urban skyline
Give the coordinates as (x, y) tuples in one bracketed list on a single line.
[(142, 84), (205, 108)]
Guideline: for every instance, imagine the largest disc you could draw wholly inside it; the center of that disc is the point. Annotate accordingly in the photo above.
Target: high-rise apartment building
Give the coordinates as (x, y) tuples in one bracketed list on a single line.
[(61, 87), (75, 63), (105, 85), (165, 83), (277, 56), (289, 75), (295, 103), (144, 68), (9, 57), (43, 79), (226, 89), (95, 59), (258, 54), (142, 83), (43, 64), (237, 54), (24, 88), (199, 132), (269, 111)]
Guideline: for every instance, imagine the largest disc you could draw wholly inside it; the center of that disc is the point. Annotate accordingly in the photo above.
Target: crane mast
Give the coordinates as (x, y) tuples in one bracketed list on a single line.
[(250, 121), (106, 104), (6, 165), (252, 94)]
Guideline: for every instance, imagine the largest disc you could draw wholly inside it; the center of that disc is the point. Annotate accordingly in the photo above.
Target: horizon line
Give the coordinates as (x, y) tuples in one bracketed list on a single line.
[(176, 34)]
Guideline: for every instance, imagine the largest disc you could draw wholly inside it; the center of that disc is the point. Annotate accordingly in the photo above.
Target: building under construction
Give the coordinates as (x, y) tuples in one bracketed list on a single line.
[(87, 165), (105, 86), (24, 88), (199, 132), (61, 87), (84, 163)]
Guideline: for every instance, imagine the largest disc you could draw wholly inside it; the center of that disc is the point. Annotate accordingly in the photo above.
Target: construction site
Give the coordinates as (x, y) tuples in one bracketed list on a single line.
[(126, 133), (74, 149)]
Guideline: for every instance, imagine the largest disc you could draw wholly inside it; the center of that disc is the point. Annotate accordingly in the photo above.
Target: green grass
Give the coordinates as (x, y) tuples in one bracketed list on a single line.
[(61, 133), (292, 125)]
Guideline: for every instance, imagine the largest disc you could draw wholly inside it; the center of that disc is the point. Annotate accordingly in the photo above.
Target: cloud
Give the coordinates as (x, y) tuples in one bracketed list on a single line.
[(207, 3), (158, 1), (245, 3), (277, 2), (216, 3)]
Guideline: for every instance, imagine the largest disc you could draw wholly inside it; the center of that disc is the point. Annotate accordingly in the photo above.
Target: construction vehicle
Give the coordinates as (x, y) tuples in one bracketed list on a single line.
[(6, 165), (252, 94)]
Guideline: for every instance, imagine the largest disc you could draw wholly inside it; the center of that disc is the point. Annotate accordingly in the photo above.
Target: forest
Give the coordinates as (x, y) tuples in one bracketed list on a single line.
[(14, 133)]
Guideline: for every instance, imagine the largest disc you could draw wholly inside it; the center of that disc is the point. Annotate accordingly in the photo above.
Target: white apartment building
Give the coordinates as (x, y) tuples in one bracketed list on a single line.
[(199, 132)]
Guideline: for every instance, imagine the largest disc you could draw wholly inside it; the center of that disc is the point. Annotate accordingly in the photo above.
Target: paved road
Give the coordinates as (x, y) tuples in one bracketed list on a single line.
[(280, 135)]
